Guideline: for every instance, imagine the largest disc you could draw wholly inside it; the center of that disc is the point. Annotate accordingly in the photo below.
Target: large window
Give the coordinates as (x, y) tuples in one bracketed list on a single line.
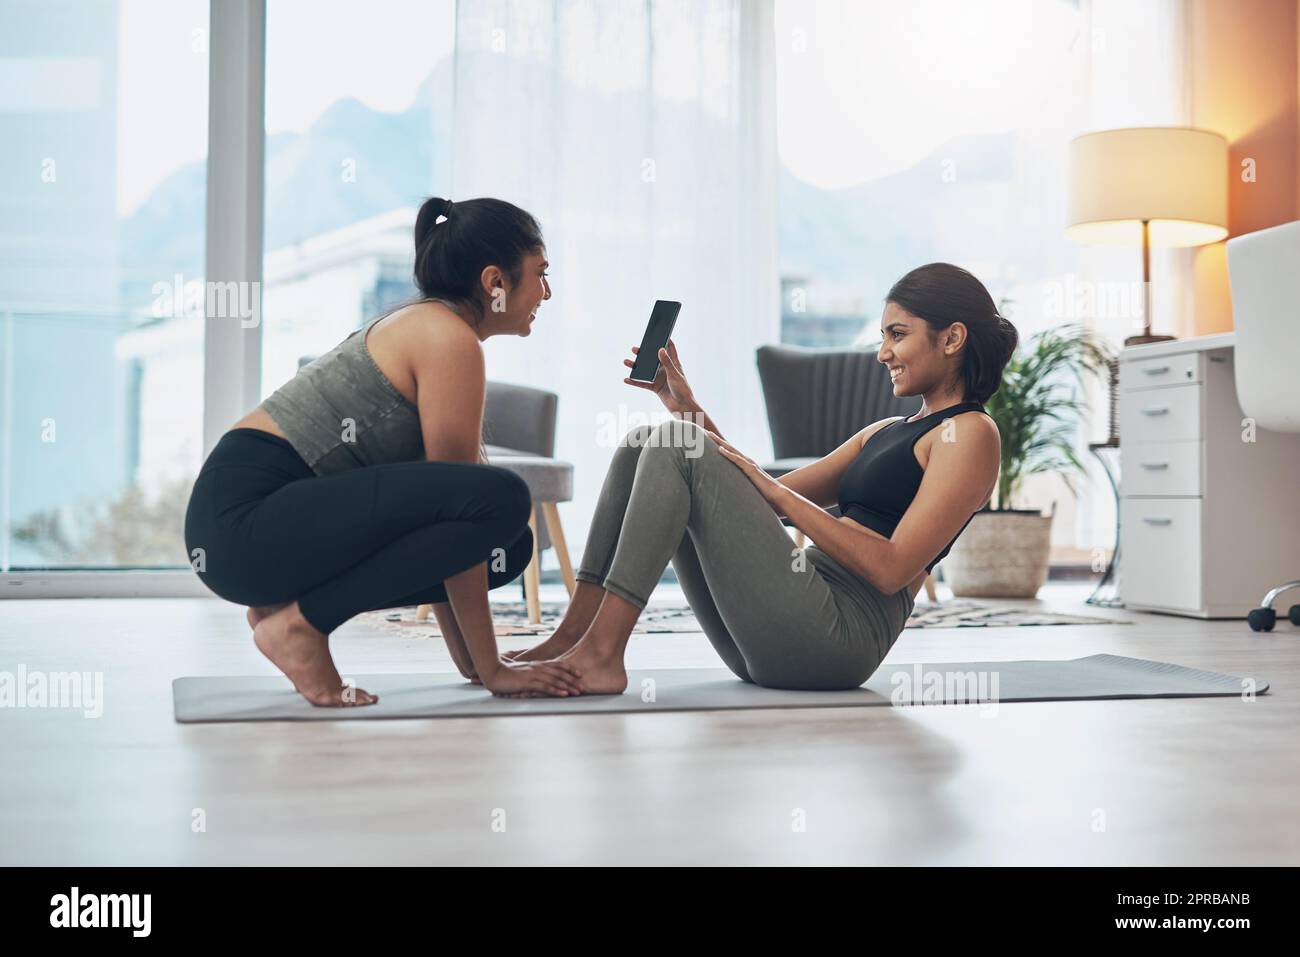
[(642, 134), (358, 125), (938, 130), (914, 133), (103, 116)]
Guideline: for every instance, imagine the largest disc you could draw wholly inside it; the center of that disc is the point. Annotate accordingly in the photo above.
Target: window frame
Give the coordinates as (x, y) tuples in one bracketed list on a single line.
[(232, 355)]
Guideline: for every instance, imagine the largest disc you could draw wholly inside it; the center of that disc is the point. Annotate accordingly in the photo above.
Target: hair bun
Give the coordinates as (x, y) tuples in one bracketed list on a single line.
[(427, 218), (1010, 335)]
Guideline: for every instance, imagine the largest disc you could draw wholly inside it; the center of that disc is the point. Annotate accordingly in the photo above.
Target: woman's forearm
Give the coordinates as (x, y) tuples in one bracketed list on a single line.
[(450, 629), (697, 415), (468, 594), (778, 506), (862, 553)]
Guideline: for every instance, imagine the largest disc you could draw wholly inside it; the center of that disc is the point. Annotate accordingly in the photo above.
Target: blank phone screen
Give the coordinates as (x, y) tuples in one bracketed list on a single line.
[(657, 332)]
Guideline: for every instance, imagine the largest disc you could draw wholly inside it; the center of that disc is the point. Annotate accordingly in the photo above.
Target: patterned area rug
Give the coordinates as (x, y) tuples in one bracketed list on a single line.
[(512, 618), (964, 613)]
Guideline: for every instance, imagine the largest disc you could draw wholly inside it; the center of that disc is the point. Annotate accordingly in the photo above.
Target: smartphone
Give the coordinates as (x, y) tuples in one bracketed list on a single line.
[(662, 320)]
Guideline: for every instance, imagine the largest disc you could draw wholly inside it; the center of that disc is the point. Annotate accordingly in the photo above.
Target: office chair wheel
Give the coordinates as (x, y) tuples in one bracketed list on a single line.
[(1261, 619), (1294, 614)]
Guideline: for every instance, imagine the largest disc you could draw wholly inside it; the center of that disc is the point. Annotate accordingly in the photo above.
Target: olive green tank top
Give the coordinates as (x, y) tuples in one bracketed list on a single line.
[(341, 412)]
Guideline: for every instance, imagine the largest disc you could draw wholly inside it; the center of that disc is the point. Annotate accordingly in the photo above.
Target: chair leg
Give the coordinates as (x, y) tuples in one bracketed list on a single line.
[(929, 588), (422, 613), (532, 578), (553, 528)]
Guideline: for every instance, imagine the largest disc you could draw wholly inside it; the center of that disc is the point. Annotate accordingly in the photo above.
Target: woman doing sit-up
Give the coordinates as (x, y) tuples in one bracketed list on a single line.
[(822, 617)]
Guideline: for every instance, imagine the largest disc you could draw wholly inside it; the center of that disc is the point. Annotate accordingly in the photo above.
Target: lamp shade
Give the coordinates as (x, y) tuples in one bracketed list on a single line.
[(1174, 177)]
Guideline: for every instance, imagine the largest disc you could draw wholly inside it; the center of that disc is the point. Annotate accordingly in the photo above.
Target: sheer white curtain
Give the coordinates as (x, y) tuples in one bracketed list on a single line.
[(641, 134)]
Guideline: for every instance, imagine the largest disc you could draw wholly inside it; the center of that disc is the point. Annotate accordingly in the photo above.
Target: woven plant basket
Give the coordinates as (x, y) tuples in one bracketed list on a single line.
[(1001, 554)]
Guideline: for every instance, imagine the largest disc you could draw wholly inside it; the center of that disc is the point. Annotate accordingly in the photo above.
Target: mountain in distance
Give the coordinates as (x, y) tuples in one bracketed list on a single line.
[(392, 164), (846, 242), (859, 240)]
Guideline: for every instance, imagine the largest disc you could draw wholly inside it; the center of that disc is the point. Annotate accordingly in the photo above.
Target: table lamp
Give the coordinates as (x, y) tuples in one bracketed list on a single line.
[(1148, 186)]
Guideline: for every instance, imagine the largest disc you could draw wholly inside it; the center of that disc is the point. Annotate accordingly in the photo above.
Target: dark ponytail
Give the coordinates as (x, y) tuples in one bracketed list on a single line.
[(455, 242), (941, 294), (425, 220)]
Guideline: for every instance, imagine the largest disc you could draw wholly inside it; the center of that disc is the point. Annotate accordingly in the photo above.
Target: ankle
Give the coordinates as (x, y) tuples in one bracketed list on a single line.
[(567, 632), (602, 645)]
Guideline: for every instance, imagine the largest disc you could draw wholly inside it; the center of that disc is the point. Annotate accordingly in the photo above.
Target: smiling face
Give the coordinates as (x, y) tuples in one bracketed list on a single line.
[(920, 360), (512, 307), (533, 288)]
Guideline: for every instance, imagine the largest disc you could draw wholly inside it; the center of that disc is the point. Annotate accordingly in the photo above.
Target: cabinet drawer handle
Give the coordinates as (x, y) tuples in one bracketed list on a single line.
[(1156, 521), (1155, 410), (1158, 370), (1155, 465)]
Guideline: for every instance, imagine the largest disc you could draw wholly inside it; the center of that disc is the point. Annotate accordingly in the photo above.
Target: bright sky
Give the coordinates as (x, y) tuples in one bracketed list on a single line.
[(317, 52), (864, 88), (162, 92)]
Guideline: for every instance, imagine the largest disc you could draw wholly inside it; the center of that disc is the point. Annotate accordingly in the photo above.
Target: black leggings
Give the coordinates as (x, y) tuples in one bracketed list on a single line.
[(262, 528)]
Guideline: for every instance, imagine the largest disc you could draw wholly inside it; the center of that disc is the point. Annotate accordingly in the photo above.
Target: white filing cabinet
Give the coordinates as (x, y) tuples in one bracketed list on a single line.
[(1209, 519)]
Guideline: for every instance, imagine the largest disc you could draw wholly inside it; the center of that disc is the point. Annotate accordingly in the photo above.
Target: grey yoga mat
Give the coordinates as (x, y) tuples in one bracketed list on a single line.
[(716, 689)]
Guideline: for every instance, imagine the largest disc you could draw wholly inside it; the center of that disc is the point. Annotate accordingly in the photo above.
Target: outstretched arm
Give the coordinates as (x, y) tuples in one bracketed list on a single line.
[(816, 481), (819, 481), (450, 385), (958, 481), (450, 629)]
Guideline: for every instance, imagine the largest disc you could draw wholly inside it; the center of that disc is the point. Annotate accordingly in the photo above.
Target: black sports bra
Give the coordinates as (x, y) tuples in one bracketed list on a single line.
[(878, 486)]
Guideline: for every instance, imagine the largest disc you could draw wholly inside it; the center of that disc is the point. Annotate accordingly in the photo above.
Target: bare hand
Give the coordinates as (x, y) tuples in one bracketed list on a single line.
[(670, 381), (556, 678), (467, 671), (767, 486)]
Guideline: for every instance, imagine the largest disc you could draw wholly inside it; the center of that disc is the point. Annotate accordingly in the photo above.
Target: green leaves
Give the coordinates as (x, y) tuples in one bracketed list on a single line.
[(1038, 407)]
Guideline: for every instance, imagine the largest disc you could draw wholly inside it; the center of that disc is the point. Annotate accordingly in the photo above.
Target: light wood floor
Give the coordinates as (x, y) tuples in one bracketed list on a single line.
[(1193, 781)]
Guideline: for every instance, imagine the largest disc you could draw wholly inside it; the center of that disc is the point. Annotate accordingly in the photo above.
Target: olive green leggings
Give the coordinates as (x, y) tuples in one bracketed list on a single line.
[(778, 616)]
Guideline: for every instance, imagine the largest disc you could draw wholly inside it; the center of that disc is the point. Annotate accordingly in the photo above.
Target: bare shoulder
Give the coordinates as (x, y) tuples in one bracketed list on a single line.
[(426, 323), (983, 425), (425, 342), (977, 431), (974, 448), (875, 427), (965, 440), (428, 334)]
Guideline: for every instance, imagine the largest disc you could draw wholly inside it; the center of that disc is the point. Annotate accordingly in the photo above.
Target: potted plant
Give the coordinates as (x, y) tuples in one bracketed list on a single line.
[(1004, 550)]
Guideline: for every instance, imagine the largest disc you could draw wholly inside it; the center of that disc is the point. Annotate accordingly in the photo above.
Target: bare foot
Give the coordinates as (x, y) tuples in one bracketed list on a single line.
[(561, 641), (602, 671), (303, 654), (257, 612)]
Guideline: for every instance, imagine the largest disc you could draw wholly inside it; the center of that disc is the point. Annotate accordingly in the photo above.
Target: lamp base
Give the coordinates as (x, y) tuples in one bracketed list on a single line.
[(1144, 338)]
